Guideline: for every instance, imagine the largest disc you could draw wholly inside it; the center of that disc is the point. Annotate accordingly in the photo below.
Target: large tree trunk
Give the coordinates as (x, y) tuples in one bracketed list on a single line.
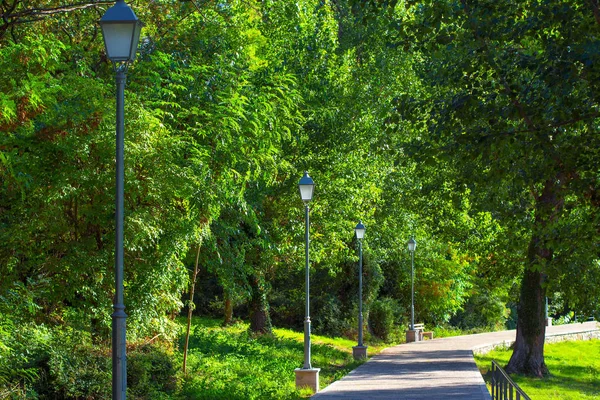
[(260, 320), (528, 353)]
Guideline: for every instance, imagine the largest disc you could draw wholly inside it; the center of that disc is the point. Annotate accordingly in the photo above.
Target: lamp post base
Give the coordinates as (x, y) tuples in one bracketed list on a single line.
[(412, 336), (359, 352), (307, 378)]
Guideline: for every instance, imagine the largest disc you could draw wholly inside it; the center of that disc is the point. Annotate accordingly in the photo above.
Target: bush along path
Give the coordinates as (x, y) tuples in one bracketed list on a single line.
[(223, 363)]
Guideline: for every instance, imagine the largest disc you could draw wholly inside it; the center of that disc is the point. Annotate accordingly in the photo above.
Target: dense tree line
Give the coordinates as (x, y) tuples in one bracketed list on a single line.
[(470, 125), (514, 105)]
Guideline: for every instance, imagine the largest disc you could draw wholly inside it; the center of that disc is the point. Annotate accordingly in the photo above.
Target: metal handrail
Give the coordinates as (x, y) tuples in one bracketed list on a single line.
[(503, 387)]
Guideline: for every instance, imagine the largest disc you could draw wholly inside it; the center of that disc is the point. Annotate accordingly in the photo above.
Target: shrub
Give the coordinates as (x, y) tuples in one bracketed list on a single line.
[(80, 370), (381, 318), (23, 353), (61, 363), (76, 368), (151, 372), (329, 317), (485, 310)]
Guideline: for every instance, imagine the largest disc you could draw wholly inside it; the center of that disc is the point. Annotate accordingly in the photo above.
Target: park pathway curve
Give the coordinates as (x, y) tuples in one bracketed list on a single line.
[(436, 369)]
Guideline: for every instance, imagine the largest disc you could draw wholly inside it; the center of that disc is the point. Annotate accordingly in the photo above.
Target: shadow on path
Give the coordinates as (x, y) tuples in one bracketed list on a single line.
[(435, 369)]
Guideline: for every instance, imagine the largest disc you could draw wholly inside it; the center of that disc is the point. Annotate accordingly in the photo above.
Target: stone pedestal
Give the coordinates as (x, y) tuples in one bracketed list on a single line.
[(307, 378), (412, 336), (359, 352), (549, 321)]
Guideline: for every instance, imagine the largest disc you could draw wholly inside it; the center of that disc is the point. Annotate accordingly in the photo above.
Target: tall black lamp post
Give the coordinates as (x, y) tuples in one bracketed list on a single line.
[(121, 31), (307, 376), (360, 351), (412, 244)]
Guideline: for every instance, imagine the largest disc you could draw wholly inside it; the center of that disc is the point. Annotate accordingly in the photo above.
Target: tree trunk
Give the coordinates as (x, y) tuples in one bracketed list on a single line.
[(228, 320), (528, 352), (260, 320), (190, 311)]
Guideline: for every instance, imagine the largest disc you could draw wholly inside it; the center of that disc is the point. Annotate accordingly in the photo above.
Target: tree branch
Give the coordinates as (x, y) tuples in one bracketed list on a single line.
[(11, 16), (595, 10), (55, 10)]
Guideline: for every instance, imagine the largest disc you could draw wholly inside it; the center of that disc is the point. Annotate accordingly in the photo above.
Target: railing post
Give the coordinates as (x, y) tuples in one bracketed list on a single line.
[(503, 387), (493, 381)]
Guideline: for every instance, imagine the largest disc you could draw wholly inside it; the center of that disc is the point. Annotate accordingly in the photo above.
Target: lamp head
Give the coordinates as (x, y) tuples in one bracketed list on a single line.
[(307, 188), (360, 230), (412, 245), (121, 31)]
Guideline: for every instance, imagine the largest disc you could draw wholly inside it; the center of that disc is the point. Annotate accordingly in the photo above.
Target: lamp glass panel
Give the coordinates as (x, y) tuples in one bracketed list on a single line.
[(118, 39), (136, 40), (412, 245), (306, 192), (360, 233)]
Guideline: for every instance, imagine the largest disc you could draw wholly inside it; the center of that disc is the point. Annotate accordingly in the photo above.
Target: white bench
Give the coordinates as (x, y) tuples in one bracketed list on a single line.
[(421, 332)]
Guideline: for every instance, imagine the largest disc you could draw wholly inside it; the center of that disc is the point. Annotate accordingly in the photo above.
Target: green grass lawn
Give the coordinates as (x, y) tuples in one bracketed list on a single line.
[(228, 363), (574, 371)]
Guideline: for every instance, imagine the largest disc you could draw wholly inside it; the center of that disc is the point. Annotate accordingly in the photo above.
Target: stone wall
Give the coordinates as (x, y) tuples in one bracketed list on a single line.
[(560, 337)]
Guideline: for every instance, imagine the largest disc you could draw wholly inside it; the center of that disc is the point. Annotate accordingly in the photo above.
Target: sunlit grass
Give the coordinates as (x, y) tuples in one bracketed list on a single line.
[(574, 371), (228, 363)]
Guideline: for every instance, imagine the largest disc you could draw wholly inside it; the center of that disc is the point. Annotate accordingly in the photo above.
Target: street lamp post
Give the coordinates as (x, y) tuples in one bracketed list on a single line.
[(548, 318), (360, 351), (412, 244), (121, 31), (307, 376)]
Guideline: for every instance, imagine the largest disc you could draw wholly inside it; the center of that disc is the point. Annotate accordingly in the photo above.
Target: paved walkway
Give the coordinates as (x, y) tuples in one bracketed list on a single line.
[(436, 369)]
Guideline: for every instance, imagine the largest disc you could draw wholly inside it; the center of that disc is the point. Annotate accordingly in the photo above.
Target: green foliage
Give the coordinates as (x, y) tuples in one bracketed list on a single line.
[(224, 107), (507, 117), (381, 317), (334, 318), (224, 365), (447, 121), (78, 369), (57, 154), (482, 310), (507, 121), (41, 362), (228, 363), (17, 371), (441, 331), (152, 372), (75, 368)]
